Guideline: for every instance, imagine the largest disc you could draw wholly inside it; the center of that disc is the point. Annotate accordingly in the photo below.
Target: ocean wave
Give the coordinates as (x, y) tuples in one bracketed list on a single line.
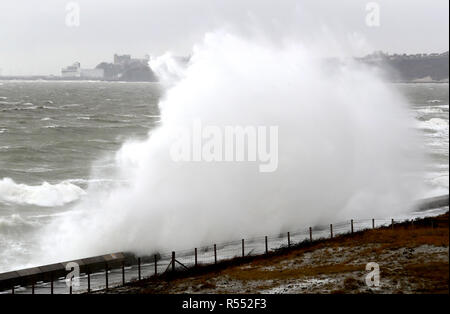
[(430, 110), (434, 124), (29, 106), (98, 183), (152, 115), (14, 103), (434, 101), (38, 170), (49, 107), (70, 105), (45, 195), (54, 126)]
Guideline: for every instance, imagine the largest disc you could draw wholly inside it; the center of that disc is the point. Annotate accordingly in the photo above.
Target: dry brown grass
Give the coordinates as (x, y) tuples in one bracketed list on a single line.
[(283, 274)]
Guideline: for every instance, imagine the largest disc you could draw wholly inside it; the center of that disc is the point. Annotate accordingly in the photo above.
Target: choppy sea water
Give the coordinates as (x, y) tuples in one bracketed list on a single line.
[(55, 135), (51, 135)]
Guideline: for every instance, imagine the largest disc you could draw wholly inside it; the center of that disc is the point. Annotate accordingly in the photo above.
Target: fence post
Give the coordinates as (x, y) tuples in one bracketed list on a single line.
[(106, 275), (267, 247), (12, 289), (173, 261), (243, 248), (392, 223), (70, 288), (331, 230), (351, 222), (289, 239), (51, 283), (89, 281), (32, 288), (123, 273), (432, 223), (139, 268), (156, 265), (373, 223), (215, 254), (310, 234), (196, 259)]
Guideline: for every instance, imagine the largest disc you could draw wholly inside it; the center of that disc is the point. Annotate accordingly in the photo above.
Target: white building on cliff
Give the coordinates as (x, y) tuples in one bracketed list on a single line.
[(75, 71)]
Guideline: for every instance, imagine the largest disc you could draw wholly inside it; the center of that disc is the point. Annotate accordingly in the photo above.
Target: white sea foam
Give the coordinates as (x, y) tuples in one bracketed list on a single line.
[(49, 107), (152, 116), (430, 110), (70, 105), (46, 194), (439, 184), (55, 126), (437, 125)]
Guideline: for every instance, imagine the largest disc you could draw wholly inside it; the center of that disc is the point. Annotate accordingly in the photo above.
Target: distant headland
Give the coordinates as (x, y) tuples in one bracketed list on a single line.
[(410, 68), (415, 68)]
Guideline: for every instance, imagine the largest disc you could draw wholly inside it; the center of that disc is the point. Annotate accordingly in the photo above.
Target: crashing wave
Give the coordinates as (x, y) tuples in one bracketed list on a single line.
[(45, 195)]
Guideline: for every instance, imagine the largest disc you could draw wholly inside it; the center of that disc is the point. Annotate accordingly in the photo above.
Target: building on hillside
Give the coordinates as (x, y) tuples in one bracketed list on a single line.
[(75, 71)]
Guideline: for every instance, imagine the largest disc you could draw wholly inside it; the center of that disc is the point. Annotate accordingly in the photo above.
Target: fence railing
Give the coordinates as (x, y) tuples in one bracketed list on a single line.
[(114, 270)]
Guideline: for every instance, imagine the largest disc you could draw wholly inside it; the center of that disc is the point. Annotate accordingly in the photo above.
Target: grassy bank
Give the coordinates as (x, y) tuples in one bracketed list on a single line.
[(413, 258)]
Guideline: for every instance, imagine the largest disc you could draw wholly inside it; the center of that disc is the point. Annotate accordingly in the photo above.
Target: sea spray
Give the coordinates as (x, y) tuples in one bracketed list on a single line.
[(346, 150)]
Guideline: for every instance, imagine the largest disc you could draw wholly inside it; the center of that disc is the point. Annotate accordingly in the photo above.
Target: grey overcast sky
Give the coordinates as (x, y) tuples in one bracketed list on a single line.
[(34, 38)]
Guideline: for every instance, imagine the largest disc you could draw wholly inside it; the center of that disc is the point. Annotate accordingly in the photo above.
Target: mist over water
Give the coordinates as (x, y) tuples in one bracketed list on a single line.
[(347, 149)]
